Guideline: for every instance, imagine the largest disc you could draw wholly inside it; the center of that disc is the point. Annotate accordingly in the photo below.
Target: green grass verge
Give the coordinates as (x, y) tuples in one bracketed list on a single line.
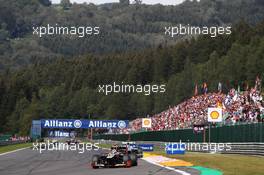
[(4, 149), (104, 145), (227, 163)]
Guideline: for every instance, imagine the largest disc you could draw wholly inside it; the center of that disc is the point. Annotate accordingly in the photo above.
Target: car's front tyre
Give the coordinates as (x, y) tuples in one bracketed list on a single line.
[(95, 160)]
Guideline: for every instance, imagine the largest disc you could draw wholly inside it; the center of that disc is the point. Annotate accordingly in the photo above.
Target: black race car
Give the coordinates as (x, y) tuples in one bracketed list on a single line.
[(118, 156), (132, 149), (72, 141), (138, 151)]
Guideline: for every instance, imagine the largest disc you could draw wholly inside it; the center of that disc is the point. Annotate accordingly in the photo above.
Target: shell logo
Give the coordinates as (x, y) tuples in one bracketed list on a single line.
[(146, 123), (215, 115)]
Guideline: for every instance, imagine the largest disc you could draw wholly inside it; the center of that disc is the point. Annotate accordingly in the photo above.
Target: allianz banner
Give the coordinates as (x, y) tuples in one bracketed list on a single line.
[(72, 123), (146, 147)]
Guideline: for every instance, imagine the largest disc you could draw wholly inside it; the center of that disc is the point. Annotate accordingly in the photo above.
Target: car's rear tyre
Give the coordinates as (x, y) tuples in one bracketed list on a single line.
[(133, 158), (128, 163), (127, 160)]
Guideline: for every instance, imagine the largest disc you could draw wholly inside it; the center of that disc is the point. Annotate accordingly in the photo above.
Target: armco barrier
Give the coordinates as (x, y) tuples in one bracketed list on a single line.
[(4, 143), (246, 148), (233, 134), (233, 148)]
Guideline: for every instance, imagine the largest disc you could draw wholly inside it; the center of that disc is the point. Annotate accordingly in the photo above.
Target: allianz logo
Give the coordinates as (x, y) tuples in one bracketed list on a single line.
[(65, 124), (107, 124)]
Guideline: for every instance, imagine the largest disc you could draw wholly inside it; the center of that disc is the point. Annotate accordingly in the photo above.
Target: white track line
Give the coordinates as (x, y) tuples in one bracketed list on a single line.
[(169, 168), (14, 151)]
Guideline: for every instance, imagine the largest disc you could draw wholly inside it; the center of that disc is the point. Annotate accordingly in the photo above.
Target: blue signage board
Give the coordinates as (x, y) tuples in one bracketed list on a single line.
[(73, 124), (59, 134), (133, 145), (146, 147), (36, 129), (175, 148)]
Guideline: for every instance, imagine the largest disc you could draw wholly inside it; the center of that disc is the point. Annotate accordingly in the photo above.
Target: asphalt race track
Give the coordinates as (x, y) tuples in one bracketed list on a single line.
[(31, 162)]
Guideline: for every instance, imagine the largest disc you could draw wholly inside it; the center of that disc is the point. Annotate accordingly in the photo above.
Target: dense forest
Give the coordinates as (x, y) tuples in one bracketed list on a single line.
[(18, 47), (58, 77), (68, 88)]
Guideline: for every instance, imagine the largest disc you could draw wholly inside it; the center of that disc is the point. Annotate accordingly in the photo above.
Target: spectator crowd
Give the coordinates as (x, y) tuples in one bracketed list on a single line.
[(237, 107)]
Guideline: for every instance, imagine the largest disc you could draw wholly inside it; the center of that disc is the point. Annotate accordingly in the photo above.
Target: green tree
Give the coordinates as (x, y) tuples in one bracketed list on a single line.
[(66, 4)]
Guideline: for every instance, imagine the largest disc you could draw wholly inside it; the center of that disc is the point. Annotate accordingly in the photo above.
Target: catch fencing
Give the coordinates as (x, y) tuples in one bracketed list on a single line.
[(233, 134)]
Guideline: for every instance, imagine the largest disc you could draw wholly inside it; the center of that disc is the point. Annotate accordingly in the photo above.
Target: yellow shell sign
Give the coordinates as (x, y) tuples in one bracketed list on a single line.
[(146, 123), (215, 115)]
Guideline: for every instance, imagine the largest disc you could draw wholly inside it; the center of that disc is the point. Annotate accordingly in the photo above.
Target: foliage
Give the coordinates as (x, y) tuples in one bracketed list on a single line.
[(69, 88), (19, 48)]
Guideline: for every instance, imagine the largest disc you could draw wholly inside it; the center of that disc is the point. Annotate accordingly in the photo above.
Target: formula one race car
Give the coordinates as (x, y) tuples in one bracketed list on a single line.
[(72, 141), (117, 157), (138, 151), (132, 148)]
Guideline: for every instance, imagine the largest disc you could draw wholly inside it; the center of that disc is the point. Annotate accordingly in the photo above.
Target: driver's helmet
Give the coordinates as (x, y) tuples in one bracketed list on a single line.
[(114, 147)]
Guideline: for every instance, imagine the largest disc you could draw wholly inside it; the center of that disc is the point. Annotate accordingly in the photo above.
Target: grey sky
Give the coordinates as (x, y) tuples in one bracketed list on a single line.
[(165, 2)]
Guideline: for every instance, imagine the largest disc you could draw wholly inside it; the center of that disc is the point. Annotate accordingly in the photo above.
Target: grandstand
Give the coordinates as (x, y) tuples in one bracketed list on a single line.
[(238, 107)]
